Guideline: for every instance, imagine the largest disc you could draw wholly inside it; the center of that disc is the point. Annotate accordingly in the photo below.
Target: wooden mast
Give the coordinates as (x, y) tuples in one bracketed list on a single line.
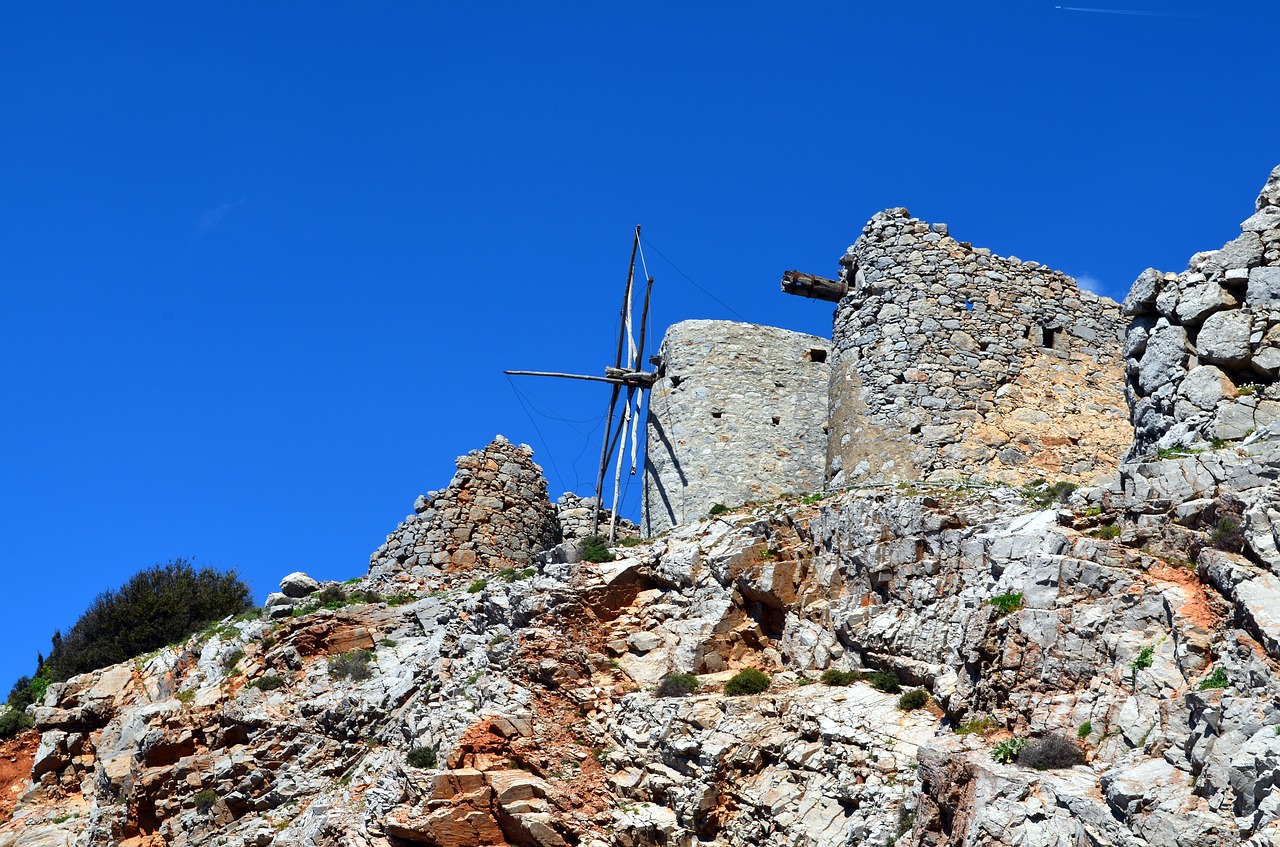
[(631, 376)]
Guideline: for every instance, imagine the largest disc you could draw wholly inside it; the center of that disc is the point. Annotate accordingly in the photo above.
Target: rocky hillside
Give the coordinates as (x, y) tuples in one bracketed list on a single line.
[(1087, 667)]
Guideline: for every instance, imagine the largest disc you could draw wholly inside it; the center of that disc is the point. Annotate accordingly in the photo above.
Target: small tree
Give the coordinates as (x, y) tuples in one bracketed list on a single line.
[(749, 681)]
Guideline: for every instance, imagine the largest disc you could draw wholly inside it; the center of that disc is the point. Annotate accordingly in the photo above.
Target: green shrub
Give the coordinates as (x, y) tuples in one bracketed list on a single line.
[(232, 659), (1085, 730), (269, 682), (12, 722), (1217, 679), (1228, 536), (886, 681), (718, 509), (630, 542), (421, 757), (1007, 751), (914, 699), (1107, 532), (332, 596), (205, 800), (1007, 603), (978, 726), (596, 549), (678, 685), (749, 681), (401, 598), (161, 605), (1142, 662), (353, 666), (477, 586), (1043, 495), (1050, 753), (833, 676)]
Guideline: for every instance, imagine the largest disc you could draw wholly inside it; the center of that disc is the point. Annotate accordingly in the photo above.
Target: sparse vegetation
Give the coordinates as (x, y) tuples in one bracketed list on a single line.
[(1006, 752), (1217, 679), (513, 575), (1007, 603), (477, 586), (332, 596), (1107, 532), (914, 699), (12, 722), (749, 681), (717, 509), (1050, 753), (1248, 388), (678, 685), (886, 681), (232, 659), (205, 800), (269, 682), (1142, 662), (186, 695), (834, 676), (634, 541), (596, 549), (401, 598), (421, 757), (1043, 495), (984, 725), (1227, 536), (1085, 730), (353, 666)]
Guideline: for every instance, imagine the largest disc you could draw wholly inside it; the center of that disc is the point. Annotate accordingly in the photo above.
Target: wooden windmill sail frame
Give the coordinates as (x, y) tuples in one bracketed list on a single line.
[(631, 377)]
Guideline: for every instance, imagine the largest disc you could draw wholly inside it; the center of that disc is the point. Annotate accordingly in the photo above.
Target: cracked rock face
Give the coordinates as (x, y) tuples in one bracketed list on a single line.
[(1222, 312)]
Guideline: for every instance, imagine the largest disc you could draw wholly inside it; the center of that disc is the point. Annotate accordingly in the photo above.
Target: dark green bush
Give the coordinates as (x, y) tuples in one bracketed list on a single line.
[(269, 682), (332, 596), (232, 659), (477, 586), (161, 605), (596, 549), (718, 509), (914, 699), (1050, 753), (886, 681), (353, 666), (678, 685), (12, 722), (832, 676), (1228, 536), (421, 757), (749, 681), (205, 800)]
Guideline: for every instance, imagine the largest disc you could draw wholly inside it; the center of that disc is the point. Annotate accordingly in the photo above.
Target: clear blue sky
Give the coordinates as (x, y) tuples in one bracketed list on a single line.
[(262, 265)]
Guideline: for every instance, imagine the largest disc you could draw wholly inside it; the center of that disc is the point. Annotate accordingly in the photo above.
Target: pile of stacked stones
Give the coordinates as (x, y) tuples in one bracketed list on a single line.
[(494, 512), (1203, 350), (574, 515), (931, 331)]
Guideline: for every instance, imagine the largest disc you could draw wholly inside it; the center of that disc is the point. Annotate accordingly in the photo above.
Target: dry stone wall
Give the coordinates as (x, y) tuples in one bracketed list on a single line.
[(495, 511), (574, 516), (951, 360), (1203, 349), (737, 414)]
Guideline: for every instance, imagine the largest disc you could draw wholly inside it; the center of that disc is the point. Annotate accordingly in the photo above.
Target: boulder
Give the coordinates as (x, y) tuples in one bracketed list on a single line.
[(1224, 338), (298, 584), (1201, 300), (1164, 357), (1264, 288), (1206, 386), (1141, 299)]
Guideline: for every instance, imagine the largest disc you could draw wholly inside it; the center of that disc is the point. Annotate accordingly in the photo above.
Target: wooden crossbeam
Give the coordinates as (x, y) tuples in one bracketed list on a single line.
[(813, 287)]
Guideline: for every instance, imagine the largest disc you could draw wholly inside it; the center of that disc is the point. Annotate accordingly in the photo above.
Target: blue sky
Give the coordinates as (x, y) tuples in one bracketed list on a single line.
[(262, 265)]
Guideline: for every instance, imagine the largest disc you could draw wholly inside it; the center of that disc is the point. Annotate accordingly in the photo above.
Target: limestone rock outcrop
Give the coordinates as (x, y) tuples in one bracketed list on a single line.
[(1203, 346)]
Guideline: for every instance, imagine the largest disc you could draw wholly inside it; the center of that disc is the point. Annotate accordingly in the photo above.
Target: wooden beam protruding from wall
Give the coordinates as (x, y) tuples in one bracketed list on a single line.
[(814, 287)]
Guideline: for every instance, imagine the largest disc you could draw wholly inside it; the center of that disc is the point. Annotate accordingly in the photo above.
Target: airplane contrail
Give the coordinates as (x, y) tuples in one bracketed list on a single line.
[(1119, 12)]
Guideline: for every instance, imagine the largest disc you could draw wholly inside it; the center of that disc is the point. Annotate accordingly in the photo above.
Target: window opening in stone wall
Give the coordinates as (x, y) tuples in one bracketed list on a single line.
[(777, 421), (675, 381), (1048, 335), (817, 356), (717, 415)]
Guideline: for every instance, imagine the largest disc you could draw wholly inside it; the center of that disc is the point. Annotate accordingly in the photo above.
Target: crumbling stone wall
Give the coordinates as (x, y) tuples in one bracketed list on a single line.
[(494, 512), (574, 516), (1203, 349), (949, 361), (737, 414)]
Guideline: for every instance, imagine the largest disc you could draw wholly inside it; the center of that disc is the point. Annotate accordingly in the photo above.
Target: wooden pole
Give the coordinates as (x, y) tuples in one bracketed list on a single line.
[(613, 397), (608, 379)]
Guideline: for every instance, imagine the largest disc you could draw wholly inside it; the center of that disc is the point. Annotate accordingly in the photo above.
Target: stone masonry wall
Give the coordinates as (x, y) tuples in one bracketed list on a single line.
[(949, 361), (495, 511), (1203, 350), (738, 413)]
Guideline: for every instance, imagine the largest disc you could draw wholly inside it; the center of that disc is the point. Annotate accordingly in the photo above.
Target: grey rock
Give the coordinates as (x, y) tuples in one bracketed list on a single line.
[(1164, 358), (1141, 299), (1200, 301), (298, 584), (1224, 338), (1264, 288), (1206, 386)]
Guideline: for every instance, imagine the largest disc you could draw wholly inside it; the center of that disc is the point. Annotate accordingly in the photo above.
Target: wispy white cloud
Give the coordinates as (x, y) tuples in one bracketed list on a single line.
[(1089, 282), (212, 217), (1135, 12)]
